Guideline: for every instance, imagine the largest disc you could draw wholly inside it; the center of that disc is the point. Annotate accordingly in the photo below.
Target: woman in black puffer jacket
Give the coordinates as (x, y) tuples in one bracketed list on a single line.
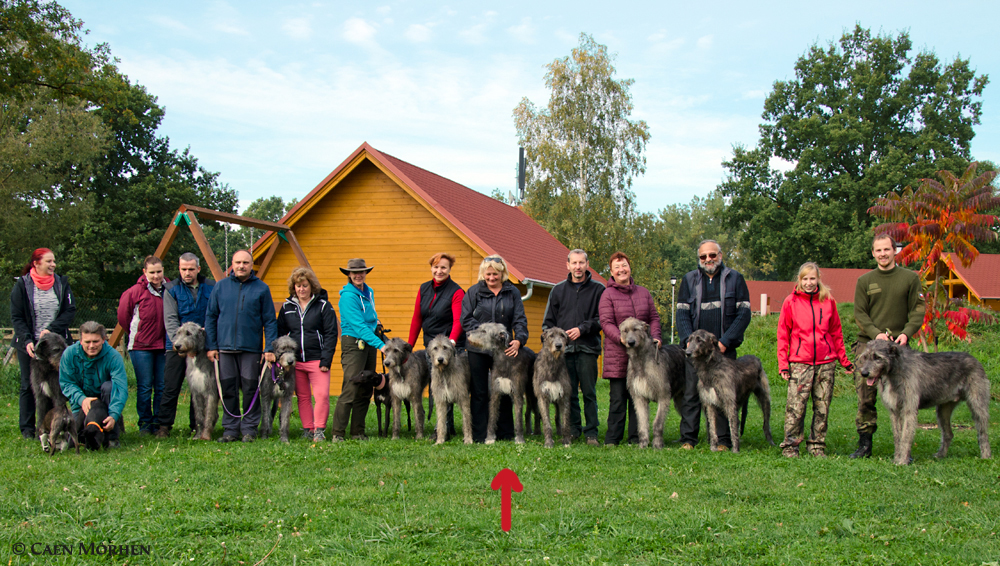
[(308, 318)]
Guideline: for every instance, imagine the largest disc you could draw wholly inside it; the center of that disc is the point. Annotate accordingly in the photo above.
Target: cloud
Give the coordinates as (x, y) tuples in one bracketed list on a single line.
[(754, 94), (169, 23), (418, 33), (297, 28), (523, 32), (359, 31), (475, 35), (705, 41), (383, 10), (230, 29)]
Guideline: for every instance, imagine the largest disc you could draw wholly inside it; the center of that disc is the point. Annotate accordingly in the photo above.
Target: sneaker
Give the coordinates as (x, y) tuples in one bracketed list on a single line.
[(163, 432), (247, 438), (318, 435), (687, 446), (336, 438), (592, 441), (361, 437), (29, 435), (307, 433), (227, 438)]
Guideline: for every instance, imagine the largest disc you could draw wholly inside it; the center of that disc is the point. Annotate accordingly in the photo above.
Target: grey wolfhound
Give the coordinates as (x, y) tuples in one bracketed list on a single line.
[(510, 375), (450, 384), (908, 381), (725, 384), (408, 377), (278, 388), (44, 377), (552, 384), (189, 341), (654, 374), (59, 430)]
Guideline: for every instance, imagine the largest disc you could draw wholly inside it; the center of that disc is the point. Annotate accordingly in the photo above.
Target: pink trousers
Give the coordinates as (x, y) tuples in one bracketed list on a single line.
[(311, 382)]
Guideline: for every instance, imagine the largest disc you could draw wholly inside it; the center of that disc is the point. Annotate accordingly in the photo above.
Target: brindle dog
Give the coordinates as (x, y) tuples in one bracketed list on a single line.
[(654, 374), (552, 385)]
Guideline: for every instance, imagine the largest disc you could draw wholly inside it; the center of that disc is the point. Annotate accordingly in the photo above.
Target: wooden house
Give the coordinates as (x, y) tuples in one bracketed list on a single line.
[(978, 284), (766, 296), (396, 215)]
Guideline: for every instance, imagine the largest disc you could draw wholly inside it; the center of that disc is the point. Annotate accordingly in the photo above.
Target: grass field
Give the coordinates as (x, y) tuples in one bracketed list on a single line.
[(404, 502)]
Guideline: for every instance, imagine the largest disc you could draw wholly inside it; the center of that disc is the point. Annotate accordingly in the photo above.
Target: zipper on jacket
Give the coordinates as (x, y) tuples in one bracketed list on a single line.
[(812, 311)]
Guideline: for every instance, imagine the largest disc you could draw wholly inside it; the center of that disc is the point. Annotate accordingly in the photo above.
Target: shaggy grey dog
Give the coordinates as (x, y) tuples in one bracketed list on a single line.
[(44, 377), (450, 383), (909, 380), (409, 375), (510, 376), (189, 341), (278, 387), (725, 384), (654, 374), (551, 383), (59, 430)]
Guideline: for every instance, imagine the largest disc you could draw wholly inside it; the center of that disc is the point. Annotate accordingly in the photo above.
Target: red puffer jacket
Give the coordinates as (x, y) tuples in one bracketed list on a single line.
[(809, 331), (618, 303), (140, 313)]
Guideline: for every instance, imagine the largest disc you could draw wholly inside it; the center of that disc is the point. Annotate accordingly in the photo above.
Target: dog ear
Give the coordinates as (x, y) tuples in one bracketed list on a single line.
[(645, 327)]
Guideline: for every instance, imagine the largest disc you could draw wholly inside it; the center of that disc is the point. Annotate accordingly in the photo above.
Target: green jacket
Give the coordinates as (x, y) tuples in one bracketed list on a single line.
[(888, 300), (81, 377)]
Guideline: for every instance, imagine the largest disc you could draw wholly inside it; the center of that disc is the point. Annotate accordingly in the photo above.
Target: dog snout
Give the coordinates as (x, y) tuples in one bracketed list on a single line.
[(864, 373), (631, 342), (558, 345)]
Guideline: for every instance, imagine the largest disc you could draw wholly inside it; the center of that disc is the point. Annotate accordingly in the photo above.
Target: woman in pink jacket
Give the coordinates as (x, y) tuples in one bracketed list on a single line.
[(810, 341), (140, 313)]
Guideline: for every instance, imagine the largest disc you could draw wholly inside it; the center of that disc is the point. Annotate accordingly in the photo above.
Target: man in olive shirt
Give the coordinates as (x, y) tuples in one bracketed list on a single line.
[(887, 306)]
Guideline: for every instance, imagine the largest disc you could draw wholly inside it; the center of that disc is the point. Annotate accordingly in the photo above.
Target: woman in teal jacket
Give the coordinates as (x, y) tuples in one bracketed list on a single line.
[(358, 346)]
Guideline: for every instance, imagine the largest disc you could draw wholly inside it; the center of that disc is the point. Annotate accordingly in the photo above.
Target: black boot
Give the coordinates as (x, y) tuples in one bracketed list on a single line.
[(864, 446)]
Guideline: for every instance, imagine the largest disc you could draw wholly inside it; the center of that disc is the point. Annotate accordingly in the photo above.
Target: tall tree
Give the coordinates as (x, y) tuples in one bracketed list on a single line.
[(861, 118), (583, 150)]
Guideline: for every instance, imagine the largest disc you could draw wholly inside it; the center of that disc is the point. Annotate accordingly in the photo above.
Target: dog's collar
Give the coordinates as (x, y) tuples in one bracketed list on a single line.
[(95, 423)]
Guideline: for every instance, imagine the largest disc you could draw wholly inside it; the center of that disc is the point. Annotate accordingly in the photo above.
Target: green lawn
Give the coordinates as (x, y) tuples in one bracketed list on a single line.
[(411, 503)]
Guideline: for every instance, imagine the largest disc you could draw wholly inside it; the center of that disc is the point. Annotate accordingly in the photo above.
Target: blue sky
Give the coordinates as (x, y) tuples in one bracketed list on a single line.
[(274, 95)]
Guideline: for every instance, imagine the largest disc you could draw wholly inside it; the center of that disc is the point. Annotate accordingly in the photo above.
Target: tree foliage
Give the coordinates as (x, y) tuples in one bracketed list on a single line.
[(583, 150), (937, 218), (862, 118)]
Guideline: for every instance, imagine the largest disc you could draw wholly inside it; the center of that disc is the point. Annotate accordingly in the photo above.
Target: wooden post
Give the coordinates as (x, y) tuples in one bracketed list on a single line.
[(206, 250)]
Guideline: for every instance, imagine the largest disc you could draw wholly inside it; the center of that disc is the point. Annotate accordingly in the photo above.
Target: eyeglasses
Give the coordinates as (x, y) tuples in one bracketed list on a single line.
[(495, 258), (703, 257)]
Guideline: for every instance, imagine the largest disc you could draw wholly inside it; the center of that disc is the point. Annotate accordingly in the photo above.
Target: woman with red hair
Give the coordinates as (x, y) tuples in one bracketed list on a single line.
[(41, 302)]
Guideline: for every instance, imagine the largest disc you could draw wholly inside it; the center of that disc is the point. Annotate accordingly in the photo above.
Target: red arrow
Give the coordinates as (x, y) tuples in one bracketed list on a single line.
[(506, 480)]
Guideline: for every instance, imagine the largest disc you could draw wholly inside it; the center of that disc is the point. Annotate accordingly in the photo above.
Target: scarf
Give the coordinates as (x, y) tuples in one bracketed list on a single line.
[(43, 282)]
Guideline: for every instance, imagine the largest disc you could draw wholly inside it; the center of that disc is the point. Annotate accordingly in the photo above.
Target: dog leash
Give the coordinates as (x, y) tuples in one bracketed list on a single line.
[(218, 384)]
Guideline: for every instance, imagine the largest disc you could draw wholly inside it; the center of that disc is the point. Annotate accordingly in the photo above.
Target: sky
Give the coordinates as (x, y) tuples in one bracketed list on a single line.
[(275, 95)]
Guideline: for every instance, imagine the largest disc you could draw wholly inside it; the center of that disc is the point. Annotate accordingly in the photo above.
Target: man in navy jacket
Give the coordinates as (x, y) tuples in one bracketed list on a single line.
[(240, 324)]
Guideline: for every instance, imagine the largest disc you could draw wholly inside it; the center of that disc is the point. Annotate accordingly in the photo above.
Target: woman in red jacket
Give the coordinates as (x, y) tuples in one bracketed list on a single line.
[(810, 341), (140, 313)]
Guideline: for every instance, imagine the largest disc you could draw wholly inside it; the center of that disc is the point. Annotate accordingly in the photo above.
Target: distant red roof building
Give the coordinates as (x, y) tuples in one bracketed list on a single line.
[(840, 281)]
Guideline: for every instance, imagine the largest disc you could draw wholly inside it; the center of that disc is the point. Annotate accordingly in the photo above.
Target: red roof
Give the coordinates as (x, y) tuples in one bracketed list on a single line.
[(499, 229), (840, 281), (982, 277)]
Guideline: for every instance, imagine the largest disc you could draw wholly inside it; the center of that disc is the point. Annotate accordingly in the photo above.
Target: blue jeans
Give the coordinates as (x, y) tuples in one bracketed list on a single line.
[(148, 365)]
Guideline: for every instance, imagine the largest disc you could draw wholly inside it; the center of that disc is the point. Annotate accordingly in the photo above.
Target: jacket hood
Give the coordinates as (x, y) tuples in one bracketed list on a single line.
[(350, 289), (623, 288), (106, 350), (321, 295)]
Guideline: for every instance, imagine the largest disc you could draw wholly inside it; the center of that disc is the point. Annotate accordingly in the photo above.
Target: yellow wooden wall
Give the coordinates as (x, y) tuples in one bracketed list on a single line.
[(368, 215)]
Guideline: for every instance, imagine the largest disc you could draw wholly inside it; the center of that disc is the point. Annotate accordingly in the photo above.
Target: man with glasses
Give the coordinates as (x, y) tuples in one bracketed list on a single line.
[(714, 298)]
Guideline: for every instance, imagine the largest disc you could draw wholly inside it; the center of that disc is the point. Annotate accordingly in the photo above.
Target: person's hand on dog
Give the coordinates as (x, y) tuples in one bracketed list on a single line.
[(659, 343), (85, 406), (902, 339), (109, 423), (213, 355), (849, 369), (883, 336), (722, 347), (269, 356), (573, 333), (786, 375), (31, 350), (511, 351)]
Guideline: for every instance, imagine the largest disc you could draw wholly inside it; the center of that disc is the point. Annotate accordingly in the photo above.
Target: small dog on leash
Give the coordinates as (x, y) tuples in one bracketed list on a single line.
[(59, 430), (552, 385), (94, 435), (511, 376), (654, 374), (278, 387), (450, 384), (408, 377), (725, 384), (44, 377), (189, 342), (909, 380)]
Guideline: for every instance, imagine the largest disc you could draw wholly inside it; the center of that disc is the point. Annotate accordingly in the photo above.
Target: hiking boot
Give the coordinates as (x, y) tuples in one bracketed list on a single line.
[(864, 446), (361, 437), (163, 432), (722, 448), (687, 446), (336, 438), (248, 438), (790, 452), (307, 433), (227, 438), (818, 453), (29, 435), (592, 441), (318, 435)]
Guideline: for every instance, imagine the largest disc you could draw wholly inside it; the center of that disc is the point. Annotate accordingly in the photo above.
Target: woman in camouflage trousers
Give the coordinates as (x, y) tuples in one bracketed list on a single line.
[(810, 341)]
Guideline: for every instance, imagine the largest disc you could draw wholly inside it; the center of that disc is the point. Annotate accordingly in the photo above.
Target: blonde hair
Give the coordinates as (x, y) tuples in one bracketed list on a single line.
[(497, 263), (298, 275), (824, 291)]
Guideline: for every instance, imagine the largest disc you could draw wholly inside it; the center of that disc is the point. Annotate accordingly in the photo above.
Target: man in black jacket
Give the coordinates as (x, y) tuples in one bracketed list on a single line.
[(572, 306)]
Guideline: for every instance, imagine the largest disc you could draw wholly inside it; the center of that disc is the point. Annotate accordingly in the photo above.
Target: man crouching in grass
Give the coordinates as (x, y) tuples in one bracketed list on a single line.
[(91, 369)]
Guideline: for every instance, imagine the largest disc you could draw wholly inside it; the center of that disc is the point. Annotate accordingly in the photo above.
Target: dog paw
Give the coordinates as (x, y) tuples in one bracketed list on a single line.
[(490, 441), (658, 444), (284, 438), (519, 440), (549, 443)]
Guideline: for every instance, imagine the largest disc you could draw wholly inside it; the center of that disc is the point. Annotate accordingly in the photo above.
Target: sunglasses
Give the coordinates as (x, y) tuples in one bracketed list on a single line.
[(703, 257), (495, 258)]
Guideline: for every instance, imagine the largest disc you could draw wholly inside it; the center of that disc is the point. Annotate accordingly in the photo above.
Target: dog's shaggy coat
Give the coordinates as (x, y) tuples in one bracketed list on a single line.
[(909, 381), (189, 342), (510, 375), (59, 430), (552, 385), (44, 376), (408, 377), (277, 388), (653, 374), (450, 384), (725, 384)]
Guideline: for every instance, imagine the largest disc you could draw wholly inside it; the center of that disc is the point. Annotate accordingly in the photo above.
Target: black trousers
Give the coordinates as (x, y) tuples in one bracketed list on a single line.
[(620, 404), (26, 397), (240, 372), (479, 368), (174, 368), (691, 409), (583, 376)]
